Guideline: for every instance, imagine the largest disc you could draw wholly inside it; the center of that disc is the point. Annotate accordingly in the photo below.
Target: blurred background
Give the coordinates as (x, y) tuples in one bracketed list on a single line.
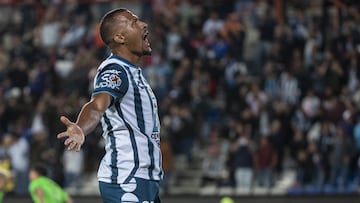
[(256, 97)]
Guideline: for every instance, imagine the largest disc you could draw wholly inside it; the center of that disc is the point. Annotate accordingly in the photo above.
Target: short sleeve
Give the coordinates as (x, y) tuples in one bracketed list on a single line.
[(64, 197), (113, 80)]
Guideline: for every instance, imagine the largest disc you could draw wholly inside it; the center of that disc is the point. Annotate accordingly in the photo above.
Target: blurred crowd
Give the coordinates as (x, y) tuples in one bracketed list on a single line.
[(255, 86)]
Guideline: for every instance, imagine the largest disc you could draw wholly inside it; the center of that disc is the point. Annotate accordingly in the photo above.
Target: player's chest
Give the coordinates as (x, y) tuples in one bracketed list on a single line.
[(142, 89)]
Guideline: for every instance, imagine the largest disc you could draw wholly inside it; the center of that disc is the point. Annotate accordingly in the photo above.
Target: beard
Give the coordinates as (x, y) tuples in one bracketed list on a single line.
[(140, 49), (146, 52)]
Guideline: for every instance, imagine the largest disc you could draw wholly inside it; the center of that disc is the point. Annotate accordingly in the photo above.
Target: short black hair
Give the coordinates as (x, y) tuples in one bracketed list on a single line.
[(40, 168), (106, 24)]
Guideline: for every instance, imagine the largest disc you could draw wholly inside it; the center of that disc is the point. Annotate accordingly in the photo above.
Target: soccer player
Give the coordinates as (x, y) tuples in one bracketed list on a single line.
[(43, 189), (123, 101)]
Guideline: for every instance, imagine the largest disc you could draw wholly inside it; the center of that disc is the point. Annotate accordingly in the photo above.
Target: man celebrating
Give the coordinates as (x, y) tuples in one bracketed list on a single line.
[(123, 101)]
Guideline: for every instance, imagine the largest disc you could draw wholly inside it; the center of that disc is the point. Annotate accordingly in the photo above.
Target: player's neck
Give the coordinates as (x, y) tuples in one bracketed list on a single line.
[(132, 58)]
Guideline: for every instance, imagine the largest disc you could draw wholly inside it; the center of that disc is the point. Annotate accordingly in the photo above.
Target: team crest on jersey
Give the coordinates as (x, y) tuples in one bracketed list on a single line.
[(113, 81), (110, 81)]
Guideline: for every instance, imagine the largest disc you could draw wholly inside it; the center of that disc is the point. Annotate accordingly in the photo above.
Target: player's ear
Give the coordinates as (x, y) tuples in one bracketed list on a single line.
[(119, 38)]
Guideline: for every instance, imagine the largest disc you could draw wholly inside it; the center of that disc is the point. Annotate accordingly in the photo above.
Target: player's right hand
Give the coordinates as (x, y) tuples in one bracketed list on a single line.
[(73, 134)]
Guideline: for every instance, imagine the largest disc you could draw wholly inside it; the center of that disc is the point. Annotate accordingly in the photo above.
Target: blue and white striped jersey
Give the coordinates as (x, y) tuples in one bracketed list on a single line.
[(131, 124)]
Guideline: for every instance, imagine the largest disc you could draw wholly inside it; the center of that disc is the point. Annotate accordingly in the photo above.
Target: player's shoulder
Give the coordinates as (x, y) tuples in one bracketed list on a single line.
[(112, 77), (111, 64)]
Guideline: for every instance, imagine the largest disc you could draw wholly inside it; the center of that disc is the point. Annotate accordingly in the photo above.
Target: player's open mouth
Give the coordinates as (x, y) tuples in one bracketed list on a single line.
[(145, 38)]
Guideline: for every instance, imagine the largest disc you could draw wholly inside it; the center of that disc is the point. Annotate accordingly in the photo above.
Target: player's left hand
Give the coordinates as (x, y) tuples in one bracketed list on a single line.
[(73, 134)]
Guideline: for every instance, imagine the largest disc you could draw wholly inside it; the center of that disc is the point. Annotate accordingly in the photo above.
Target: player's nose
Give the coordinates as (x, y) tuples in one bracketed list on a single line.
[(144, 25)]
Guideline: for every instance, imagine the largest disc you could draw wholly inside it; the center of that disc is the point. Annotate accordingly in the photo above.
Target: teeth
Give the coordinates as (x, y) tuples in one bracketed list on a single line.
[(146, 34)]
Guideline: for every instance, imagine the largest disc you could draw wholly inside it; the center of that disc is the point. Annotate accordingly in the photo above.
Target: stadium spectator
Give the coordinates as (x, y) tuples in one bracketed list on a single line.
[(265, 161), (214, 163), (212, 26), (340, 159), (243, 158), (17, 149)]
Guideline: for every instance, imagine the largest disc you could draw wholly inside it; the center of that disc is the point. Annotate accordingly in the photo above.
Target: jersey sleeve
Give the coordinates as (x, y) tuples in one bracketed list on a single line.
[(32, 187), (113, 80), (63, 196)]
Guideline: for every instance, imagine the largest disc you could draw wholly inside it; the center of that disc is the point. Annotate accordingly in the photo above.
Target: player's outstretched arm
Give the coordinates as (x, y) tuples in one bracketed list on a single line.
[(87, 120)]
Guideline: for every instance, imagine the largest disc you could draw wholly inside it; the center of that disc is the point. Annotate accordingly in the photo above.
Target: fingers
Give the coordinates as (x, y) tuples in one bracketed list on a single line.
[(71, 146), (65, 121), (78, 147), (62, 135), (68, 141), (74, 147)]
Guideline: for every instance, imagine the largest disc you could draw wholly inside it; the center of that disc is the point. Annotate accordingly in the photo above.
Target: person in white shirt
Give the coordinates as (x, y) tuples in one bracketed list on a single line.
[(124, 102)]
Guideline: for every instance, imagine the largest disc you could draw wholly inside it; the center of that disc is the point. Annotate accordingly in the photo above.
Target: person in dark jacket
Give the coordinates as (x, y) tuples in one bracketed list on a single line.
[(265, 161), (244, 162)]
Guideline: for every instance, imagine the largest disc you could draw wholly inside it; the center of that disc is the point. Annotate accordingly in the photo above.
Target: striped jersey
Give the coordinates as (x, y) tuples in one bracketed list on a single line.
[(131, 126)]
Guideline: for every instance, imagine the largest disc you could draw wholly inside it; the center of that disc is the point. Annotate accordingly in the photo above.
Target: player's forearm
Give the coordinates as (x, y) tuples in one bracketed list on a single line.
[(89, 117), (39, 195)]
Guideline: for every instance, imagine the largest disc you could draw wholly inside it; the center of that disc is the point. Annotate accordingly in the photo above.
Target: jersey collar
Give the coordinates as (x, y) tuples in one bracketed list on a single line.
[(123, 60)]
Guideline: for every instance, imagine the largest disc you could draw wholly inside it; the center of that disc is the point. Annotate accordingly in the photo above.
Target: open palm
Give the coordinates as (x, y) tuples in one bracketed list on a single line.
[(73, 134)]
